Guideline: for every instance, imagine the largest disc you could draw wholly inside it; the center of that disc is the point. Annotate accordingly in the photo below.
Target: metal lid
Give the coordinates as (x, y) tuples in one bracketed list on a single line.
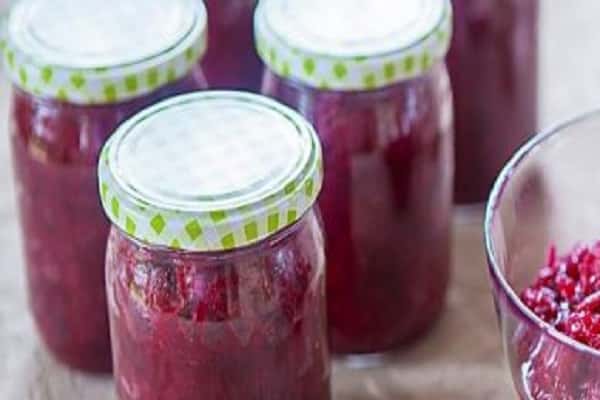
[(352, 44), (102, 51), (210, 171)]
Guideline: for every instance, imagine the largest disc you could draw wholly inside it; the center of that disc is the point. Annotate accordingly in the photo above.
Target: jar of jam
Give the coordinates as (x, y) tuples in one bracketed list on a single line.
[(493, 65), (215, 262), (372, 79), (231, 61), (79, 68)]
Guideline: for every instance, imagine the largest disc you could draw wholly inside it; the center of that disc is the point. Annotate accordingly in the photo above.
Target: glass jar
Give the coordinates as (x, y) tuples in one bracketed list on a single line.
[(231, 61), (215, 262), (382, 109), (493, 65), (60, 118)]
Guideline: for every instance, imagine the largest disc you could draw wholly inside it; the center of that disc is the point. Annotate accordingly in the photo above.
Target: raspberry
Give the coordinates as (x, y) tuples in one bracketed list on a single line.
[(590, 303), (565, 294), (569, 284), (542, 302)]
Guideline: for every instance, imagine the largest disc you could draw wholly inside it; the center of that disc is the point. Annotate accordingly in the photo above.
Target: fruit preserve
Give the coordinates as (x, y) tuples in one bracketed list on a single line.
[(379, 98), (493, 67), (566, 295), (215, 263), (231, 61), (71, 90)]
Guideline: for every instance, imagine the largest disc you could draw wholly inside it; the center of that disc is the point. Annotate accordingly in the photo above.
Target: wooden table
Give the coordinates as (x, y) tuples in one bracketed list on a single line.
[(460, 360)]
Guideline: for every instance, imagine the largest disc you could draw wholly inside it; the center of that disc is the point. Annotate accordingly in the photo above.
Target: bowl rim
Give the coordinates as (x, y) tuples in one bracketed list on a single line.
[(494, 200)]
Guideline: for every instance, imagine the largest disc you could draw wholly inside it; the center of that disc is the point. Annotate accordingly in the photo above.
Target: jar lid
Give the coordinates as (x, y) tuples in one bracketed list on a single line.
[(352, 44), (102, 51), (210, 171)]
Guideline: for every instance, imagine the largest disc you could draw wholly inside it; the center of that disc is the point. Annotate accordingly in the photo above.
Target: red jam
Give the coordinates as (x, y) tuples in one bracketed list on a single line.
[(55, 149), (244, 324), (231, 61), (385, 203), (493, 66), (566, 295)]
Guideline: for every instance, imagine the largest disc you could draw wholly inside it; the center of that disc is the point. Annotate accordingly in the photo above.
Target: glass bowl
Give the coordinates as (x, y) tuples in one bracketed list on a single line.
[(547, 195)]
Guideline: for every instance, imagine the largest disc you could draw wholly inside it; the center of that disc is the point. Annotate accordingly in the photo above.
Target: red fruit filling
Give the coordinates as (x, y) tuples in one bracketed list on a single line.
[(231, 61), (247, 324), (566, 295), (55, 147), (493, 67), (385, 204)]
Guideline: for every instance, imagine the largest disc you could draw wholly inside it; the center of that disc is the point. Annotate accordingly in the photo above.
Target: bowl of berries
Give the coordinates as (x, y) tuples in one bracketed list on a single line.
[(542, 234)]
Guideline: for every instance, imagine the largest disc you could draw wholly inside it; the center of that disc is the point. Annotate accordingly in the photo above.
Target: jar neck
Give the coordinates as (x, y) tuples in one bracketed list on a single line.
[(438, 71), (304, 225), (194, 80)]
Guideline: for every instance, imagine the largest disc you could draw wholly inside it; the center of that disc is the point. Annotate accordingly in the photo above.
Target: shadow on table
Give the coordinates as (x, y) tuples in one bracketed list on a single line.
[(41, 378), (429, 382)]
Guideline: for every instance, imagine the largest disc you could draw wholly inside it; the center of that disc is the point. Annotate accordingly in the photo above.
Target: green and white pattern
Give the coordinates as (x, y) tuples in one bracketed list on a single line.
[(337, 45), (210, 171), (109, 51)]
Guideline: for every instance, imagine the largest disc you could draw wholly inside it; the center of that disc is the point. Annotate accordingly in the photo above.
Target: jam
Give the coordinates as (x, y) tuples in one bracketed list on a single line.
[(241, 325), (386, 207), (216, 280), (56, 142), (387, 145), (55, 148), (493, 67), (231, 61), (566, 295)]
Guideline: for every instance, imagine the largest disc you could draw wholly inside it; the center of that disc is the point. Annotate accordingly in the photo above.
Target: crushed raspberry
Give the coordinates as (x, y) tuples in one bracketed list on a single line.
[(55, 148), (566, 293), (542, 302), (385, 207), (248, 324), (555, 373)]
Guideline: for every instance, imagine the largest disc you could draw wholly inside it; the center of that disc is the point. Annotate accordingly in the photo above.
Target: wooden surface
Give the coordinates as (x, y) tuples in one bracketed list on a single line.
[(460, 360)]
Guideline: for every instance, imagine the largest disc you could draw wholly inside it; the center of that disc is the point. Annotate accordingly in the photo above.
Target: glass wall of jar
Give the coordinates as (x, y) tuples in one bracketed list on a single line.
[(493, 65), (215, 263), (231, 61), (380, 100), (78, 70)]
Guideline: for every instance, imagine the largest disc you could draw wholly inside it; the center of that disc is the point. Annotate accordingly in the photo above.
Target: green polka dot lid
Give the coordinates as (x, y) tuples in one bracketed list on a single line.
[(210, 171), (102, 51), (352, 44)]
